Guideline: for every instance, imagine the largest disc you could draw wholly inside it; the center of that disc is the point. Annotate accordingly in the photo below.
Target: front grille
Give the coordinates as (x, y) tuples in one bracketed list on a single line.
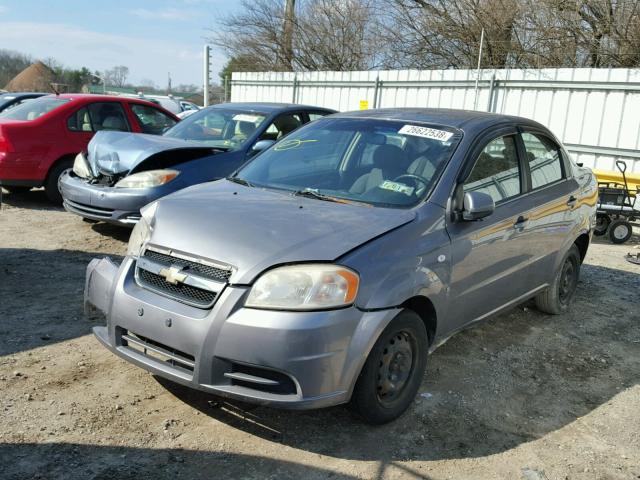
[(180, 291), (89, 209), (206, 271), (182, 361)]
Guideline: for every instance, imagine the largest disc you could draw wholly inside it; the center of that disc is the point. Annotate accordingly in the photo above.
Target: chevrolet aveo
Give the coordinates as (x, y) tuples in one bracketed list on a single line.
[(327, 268)]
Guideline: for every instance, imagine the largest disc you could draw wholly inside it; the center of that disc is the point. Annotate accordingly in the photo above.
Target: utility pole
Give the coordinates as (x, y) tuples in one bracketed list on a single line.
[(205, 79), (475, 99), (287, 33)]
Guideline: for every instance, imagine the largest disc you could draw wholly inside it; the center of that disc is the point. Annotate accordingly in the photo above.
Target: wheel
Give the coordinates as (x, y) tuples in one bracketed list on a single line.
[(51, 185), (602, 224), (393, 371), (16, 189), (620, 231), (558, 296)]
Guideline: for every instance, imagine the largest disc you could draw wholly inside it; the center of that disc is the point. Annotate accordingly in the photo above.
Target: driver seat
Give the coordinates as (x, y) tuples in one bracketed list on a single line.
[(389, 162)]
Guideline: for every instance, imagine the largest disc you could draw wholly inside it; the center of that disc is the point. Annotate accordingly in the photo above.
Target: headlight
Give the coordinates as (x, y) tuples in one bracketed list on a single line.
[(152, 178), (139, 237), (81, 167), (305, 287)]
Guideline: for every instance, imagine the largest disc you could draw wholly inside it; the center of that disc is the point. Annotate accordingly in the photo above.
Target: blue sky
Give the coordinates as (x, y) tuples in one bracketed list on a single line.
[(151, 37)]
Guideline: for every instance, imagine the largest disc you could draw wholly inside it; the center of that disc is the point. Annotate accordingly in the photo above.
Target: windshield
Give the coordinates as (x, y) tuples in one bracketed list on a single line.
[(34, 108), (379, 162), (219, 127)]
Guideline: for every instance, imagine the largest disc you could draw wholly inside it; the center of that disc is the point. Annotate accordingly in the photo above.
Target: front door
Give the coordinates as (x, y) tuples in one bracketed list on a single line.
[(488, 255)]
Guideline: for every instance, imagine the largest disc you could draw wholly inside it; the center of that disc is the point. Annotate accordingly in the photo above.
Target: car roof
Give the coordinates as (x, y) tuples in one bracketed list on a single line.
[(21, 94), (461, 119), (270, 107)]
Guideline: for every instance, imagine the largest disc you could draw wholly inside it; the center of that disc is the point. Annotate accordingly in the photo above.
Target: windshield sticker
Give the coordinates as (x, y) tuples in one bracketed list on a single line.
[(243, 117), (397, 187), (426, 132), (290, 144)]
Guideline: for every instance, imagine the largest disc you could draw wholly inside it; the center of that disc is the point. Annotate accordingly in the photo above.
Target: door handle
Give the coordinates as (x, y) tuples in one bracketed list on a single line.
[(520, 223), (572, 201)]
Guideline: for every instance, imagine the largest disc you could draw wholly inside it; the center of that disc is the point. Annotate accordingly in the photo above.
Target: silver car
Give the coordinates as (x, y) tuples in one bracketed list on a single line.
[(328, 267)]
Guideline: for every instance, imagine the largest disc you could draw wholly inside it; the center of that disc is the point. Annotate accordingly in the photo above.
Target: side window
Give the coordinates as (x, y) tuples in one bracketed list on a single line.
[(281, 126), (151, 119), (316, 115), (80, 121), (496, 171), (108, 116), (99, 116), (544, 159)]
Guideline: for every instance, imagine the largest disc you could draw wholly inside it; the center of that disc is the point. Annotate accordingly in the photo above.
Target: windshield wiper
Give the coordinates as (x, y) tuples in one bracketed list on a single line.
[(240, 181), (311, 193)]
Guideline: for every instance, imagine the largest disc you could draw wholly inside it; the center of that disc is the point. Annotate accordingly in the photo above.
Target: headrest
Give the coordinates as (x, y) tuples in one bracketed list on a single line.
[(114, 123), (389, 157), (245, 128), (287, 124)]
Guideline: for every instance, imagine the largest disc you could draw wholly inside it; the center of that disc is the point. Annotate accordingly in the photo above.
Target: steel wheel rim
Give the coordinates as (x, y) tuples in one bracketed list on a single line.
[(395, 367), (601, 224), (568, 281), (620, 232)]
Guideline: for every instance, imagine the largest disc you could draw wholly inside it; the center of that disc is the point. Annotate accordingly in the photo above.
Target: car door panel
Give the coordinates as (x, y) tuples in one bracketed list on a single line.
[(489, 256)]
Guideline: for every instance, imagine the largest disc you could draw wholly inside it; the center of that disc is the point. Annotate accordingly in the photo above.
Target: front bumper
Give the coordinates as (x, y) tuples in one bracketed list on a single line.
[(120, 206), (295, 360)]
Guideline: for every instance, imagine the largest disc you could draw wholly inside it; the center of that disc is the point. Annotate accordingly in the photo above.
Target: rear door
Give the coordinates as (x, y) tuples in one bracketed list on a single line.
[(550, 203), (489, 256)]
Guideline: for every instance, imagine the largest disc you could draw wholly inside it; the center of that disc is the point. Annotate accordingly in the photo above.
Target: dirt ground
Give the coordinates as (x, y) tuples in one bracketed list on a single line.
[(523, 396)]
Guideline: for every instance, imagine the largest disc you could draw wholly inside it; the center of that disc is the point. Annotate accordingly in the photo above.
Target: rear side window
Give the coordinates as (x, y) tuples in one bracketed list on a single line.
[(99, 116), (151, 119), (545, 162), (316, 115), (496, 172)]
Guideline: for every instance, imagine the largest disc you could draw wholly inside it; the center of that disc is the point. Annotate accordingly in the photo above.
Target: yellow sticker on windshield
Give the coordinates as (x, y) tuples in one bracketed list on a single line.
[(397, 187)]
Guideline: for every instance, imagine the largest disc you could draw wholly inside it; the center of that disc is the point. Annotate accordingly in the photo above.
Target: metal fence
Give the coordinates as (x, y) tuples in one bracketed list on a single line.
[(595, 112)]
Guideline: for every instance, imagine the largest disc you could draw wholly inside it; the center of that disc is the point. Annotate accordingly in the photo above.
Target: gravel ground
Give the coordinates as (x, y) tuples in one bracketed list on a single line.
[(525, 395)]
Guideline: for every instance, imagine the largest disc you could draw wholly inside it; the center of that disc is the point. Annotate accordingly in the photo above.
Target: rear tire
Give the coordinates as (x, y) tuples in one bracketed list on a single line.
[(393, 372), (557, 298), (51, 185), (602, 224), (620, 231)]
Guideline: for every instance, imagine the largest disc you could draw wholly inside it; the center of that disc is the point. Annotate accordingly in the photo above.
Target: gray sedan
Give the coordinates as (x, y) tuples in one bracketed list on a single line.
[(328, 267)]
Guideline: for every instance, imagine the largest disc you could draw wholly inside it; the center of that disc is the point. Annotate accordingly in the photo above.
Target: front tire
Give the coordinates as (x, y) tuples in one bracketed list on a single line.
[(557, 298), (51, 185), (393, 372)]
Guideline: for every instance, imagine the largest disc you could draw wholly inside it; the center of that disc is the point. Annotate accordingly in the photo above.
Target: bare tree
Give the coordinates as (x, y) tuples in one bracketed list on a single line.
[(116, 76), (325, 34)]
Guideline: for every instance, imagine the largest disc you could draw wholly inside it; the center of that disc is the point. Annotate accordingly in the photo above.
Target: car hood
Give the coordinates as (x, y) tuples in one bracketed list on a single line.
[(120, 152), (253, 229)]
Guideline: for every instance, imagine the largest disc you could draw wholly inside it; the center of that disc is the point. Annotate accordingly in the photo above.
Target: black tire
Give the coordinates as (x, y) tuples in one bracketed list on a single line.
[(620, 231), (390, 380), (16, 189), (51, 185), (602, 224), (557, 298)]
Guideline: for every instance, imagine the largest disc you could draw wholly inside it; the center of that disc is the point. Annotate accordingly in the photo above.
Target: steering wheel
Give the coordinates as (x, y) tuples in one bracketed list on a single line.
[(415, 178)]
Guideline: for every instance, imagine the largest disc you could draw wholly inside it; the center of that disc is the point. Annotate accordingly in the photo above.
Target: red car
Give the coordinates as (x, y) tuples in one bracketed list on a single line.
[(40, 138)]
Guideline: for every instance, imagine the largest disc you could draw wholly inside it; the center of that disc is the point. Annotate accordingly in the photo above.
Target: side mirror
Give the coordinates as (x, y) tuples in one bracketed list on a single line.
[(262, 145), (477, 205)]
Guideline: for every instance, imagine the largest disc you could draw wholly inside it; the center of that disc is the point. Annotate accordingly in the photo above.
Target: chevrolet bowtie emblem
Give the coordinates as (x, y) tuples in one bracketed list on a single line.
[(173, 275)]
